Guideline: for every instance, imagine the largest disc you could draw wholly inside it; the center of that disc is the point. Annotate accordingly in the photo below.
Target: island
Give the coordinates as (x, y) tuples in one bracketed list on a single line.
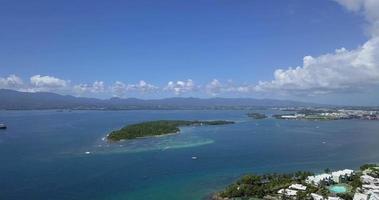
[(343, 184), (256, 115), (160, 127)]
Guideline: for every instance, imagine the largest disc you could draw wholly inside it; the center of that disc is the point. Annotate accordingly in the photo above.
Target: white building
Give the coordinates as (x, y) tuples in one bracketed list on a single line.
[(360, 196), (289, 117), (342, 175), (288, 192), (369, 180), (319, 179), (370, 187), (334, 198), (316, 196), (374, 196), (297, 187), (319, 197), (292, 190)]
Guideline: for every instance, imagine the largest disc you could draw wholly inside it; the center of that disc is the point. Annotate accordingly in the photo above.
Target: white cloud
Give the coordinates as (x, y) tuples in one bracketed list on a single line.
[(142, 86), (343, 70), (95, 87), (180, 87), (119, 88), (37, 83), (369, 8), (11, 82), (47, 82), (98, 86), (215, 87)]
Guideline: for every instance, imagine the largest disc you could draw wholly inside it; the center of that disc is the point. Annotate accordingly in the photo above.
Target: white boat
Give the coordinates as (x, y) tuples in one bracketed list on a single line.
[(194, 157), (2, 126)]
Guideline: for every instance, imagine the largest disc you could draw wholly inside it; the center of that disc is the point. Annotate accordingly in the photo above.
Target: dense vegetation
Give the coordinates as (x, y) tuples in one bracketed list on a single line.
[(257, 115), (368, 166), (371, 169), (258, 186), (267, 186), (161, 127)]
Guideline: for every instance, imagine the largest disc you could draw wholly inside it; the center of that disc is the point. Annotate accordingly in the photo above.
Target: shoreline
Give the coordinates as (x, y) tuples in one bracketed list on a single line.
[(359, 182)]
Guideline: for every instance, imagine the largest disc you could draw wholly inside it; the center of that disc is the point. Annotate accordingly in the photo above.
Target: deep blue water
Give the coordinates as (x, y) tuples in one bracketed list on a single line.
[(42, 153)]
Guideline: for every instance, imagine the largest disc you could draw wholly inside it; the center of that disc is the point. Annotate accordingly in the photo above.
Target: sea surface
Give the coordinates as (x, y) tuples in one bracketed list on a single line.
[(43, 153)]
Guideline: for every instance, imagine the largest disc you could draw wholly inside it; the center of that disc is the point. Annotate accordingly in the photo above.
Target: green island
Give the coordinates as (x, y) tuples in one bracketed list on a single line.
[(256, 115), (160, 127), (342, 184)]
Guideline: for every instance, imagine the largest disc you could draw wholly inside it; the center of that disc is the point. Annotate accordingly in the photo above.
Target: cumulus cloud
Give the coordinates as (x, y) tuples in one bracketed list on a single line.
[(215, 87), (369, 8), (95, 87), (142, 86), (343, 70), (180, 87), (37, 83), (47, 82), (11, 82), (98, 86), (119, 89)]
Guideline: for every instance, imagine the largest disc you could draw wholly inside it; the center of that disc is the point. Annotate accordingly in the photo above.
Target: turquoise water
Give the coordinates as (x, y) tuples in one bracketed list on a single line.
[(338, 189), (42, 153)]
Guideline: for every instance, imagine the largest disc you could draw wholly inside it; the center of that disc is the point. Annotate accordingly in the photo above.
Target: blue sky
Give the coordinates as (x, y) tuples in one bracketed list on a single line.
[(205, 48)]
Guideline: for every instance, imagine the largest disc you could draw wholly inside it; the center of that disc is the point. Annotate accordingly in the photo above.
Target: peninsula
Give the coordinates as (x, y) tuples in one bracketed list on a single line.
[(161, 127)]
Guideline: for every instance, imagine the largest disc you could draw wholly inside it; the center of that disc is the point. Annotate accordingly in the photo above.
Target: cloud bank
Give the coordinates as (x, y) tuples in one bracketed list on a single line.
[(180, 87), (341, 71), (96, 87), (120, 89)]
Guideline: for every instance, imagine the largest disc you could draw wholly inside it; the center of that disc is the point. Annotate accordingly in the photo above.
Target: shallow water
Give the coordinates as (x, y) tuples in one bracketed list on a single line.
[(43, 153)]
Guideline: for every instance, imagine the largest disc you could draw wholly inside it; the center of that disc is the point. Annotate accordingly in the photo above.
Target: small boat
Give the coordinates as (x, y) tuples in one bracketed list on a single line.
[(87, 152), (194, 157), (2, 126)]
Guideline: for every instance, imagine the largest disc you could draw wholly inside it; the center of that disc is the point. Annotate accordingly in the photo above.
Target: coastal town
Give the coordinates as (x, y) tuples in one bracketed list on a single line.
[(327, 114), (347, 184)]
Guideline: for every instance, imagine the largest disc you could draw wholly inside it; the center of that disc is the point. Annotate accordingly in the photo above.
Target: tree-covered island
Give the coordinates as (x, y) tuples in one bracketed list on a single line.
[(256, 115), (161, 127)]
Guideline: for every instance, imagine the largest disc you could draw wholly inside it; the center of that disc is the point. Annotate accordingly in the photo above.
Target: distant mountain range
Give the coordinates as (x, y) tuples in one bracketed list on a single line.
[(10, 99)]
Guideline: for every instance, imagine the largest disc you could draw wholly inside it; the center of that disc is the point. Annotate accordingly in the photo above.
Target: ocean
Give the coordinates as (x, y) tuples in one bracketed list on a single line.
[(43, 153)]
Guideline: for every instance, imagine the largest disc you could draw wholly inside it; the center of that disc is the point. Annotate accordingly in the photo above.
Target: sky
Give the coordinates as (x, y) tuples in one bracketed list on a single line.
[(323, 51)]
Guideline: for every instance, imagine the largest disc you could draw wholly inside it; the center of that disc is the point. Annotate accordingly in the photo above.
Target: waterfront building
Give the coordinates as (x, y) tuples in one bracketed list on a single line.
[(322, 179), (342, 175)]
